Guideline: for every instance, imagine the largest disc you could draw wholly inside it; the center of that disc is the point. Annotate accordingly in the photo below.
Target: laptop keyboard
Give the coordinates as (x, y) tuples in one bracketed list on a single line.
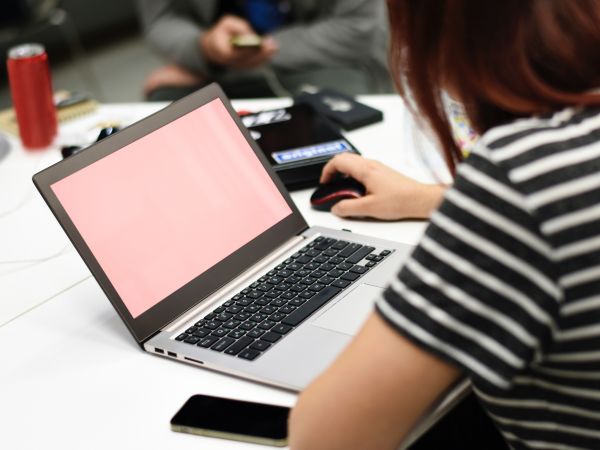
[(256, 318)]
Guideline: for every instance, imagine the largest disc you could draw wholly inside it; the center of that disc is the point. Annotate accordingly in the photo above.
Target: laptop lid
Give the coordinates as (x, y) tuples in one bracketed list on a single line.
[(170, 209)]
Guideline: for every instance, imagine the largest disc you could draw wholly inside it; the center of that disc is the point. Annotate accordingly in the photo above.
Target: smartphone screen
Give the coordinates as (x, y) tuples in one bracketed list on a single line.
[(233, 419)]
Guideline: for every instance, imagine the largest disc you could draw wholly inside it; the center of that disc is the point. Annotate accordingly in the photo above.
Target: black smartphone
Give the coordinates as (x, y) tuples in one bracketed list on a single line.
[(233, 419)]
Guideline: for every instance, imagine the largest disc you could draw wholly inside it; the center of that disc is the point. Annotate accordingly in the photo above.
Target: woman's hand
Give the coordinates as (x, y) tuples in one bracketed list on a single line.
[(390, 195)]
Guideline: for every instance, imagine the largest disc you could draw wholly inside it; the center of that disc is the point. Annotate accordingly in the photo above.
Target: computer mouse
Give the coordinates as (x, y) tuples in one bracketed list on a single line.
[(340, 188)]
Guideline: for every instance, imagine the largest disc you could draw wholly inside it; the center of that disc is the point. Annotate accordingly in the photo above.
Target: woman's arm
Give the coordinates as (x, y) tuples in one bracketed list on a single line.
[(372, 395)]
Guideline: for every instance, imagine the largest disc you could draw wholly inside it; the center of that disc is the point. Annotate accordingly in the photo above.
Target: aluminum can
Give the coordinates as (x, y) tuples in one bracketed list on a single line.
[(31, 91)]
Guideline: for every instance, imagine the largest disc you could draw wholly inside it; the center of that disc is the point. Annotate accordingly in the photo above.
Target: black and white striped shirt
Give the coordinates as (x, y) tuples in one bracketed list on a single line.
[(506, 281)]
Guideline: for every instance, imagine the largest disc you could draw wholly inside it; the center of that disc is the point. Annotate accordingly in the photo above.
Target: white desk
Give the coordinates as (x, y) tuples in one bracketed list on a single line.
[(71, 375)]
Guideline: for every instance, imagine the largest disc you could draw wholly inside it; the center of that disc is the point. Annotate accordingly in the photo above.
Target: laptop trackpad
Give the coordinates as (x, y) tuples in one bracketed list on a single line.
[(348, 315)]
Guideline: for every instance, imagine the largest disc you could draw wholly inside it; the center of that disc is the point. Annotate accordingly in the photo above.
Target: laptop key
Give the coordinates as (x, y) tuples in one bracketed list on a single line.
[(258, 317), (358, 269), (360, 254), (350, 276), (256, 333), (223, 317), (325, 243), (303, 260), (268, 309), (281, 328), (242, 316), (311, 306), (191, 340), (243, 302), (207, 341), (221, 332), (275, 280), (348, 250), (271, 337), (201, 332), (260, 345), (385, 252), (266, 324), (339, 245), (237, 334), (317, 287), (239, 346), (212, 325), (181, 337), (249, 354), (223, 344), (276, 317), (246, 326), (234, 309), (326, 279), (264, 287), (231, 324), (341, 283), (287, 309), (297, 302)]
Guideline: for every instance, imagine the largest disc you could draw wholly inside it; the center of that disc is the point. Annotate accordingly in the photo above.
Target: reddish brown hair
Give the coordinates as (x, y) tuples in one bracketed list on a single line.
[(503, 59)]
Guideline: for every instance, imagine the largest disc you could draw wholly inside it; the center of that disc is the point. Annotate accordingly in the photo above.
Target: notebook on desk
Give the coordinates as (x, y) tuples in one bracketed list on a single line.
[(203, 254)]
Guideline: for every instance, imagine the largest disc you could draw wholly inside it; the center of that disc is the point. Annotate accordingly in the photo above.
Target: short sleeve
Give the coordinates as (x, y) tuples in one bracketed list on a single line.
[(479, 290)]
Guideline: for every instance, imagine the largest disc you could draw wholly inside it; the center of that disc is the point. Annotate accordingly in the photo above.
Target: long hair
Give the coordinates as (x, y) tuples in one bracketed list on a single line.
[(503, 59)]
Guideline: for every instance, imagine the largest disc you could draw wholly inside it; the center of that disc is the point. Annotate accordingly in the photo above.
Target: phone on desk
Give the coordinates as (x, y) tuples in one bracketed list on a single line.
[(233, 419)]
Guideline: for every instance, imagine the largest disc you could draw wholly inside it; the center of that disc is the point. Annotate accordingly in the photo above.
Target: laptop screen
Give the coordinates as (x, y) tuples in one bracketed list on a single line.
[(169, 206)]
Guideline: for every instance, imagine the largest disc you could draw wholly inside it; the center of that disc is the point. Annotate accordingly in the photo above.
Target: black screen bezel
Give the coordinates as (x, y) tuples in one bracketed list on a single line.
[(189, 295), (205, 412)]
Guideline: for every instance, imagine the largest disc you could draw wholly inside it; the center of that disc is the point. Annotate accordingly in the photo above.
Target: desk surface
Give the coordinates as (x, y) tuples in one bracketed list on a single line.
[(72, 375)]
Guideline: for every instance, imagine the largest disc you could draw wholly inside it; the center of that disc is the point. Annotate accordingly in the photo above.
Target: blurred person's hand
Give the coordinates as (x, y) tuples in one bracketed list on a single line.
[(217, 47), (389, 194), (171, 75)]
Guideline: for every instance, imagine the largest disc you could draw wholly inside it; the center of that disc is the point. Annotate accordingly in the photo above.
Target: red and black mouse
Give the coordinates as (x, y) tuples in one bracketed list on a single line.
[(340, 188)]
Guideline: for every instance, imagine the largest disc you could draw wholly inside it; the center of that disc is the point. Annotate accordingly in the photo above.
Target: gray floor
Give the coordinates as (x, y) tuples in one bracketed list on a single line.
[(114, 73)]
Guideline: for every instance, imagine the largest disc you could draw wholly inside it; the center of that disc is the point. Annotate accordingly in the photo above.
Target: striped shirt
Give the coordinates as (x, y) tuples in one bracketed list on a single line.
[(506, 280)]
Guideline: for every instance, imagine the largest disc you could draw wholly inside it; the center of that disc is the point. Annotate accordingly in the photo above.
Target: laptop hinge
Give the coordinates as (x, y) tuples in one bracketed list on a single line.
[(240, 281)]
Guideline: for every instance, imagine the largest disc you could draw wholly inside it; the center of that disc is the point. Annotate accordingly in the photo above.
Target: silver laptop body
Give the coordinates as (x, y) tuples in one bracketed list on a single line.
[(307, 348)]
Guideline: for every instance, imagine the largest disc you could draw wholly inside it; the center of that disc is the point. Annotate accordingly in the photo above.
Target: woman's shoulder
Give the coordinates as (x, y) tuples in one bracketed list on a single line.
[(538, 152)]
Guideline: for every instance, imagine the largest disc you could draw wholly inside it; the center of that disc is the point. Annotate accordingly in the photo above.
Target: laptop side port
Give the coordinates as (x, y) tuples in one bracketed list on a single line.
[(193, 360), (172, 355), (159, 350)]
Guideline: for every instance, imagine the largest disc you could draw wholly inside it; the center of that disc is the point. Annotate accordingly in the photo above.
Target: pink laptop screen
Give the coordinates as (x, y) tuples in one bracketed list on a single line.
[(164, 209)]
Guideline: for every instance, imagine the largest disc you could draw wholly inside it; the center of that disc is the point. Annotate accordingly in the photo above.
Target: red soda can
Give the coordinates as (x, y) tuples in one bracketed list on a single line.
[(31, 90)]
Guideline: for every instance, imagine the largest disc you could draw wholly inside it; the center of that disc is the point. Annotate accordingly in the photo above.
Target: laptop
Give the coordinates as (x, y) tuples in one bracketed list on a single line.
[(198, 246)]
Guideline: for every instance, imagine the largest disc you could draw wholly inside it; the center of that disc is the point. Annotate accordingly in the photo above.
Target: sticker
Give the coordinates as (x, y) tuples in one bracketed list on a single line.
[(313, 151)]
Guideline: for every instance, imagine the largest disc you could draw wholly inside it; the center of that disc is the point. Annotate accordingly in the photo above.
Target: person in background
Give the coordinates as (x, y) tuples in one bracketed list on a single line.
[(337, 43), (504, 287)]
